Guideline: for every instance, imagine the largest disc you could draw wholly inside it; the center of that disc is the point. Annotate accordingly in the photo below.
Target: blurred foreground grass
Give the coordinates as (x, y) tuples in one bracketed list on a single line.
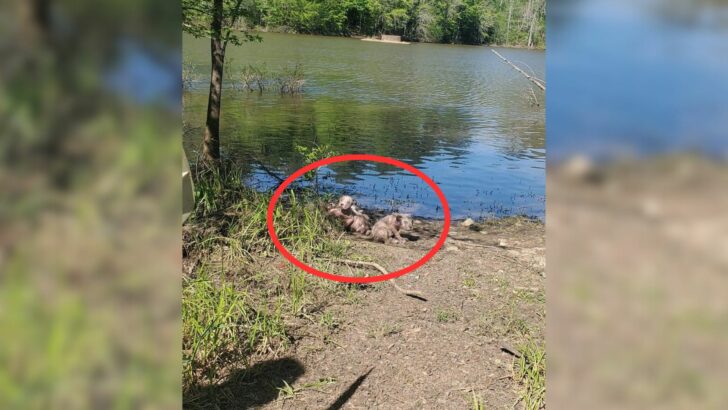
[(637, 262), (89, 210)]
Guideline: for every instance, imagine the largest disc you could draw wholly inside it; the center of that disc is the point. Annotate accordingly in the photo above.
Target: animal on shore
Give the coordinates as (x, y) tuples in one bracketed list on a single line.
[(354, 219), (387, 229), (348, 205)]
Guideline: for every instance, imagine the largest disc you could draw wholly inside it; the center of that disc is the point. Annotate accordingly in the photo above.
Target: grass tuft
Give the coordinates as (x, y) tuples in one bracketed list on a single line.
[(445, 316), (530, 368), (212, 316), (232, 215), (478, 403), (216, 319), (233, 307)]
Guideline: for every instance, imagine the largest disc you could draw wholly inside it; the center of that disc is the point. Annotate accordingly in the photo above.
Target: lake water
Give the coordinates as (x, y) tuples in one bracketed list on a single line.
[(637, 77), (458, 113)]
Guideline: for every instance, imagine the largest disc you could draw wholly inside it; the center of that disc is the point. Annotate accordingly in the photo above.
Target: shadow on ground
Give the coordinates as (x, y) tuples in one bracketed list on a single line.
[(346, 395), (248, 388)]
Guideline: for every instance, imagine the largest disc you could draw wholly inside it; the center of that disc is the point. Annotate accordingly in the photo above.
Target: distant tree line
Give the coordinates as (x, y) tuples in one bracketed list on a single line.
[(503, 22)]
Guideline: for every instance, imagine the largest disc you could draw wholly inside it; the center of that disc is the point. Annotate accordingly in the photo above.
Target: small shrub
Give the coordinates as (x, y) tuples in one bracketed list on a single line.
[(312, 154), (253, 77), (188, 75), (291, 80)]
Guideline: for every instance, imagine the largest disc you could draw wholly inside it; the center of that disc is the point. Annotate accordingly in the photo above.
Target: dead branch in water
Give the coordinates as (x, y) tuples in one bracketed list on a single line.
[(412, 293), (533, 95), (266, 170), (539, 83)]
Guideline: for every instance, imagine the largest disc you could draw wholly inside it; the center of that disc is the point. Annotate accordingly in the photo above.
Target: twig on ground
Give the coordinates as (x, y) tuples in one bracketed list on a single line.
[(411, 293), (512, 352)]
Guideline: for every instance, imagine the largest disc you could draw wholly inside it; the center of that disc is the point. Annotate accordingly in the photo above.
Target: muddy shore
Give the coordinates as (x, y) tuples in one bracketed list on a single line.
[(373, 347)]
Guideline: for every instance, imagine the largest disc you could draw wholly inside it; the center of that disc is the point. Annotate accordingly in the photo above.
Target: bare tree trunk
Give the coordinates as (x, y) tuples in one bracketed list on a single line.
[(211, 141), (508, 26), (534, 19), (530, 32)]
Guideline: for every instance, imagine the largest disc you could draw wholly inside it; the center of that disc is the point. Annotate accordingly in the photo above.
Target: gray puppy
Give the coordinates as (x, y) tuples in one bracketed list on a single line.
[(387, 229)]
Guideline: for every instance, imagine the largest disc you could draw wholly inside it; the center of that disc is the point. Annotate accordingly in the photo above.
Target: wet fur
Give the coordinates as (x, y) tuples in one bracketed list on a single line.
[(387, 229), (353, 218)]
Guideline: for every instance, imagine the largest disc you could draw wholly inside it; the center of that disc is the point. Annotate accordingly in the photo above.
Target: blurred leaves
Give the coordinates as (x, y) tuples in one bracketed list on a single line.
[(89, 260), (197, 20)]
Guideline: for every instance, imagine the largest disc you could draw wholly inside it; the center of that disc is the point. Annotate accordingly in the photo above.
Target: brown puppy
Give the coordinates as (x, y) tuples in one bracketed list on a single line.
[(360, 224), (387, 229), (348, 206)]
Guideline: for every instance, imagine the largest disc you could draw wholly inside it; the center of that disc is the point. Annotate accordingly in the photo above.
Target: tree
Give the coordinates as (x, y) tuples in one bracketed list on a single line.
[(216, 19)]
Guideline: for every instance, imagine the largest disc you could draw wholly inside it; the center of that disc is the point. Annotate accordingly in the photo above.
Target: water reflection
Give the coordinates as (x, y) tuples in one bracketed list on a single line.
[(637, 77), (458, 113)]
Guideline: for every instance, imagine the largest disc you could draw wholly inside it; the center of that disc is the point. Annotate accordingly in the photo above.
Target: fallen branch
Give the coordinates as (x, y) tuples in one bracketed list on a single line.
[(411, 293), (510, 351), (539, 83), (266, 170)]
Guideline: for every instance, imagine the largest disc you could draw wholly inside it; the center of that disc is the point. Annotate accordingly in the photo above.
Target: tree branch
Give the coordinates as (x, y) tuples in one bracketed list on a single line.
[(233, 19)]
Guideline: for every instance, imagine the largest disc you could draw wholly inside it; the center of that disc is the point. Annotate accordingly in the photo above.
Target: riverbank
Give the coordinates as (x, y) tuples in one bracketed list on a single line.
[(354, 36), (385, 41), (258, 332)]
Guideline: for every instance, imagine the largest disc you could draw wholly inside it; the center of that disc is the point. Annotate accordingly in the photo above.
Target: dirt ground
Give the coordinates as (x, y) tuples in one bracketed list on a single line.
[(382, 349), (639, 251)]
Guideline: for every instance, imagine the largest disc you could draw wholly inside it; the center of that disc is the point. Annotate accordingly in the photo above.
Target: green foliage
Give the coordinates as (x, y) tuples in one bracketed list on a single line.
[(226, 322), (313, 154), (300, 219), (212, 316), (511, 22), (197, 20)]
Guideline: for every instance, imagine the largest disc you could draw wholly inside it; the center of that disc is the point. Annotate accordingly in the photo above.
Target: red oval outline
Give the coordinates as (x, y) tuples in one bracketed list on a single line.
[(357, 157)]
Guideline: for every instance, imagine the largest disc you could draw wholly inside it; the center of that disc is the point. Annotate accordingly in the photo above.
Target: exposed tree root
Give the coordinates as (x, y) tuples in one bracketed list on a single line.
[(411, 293)]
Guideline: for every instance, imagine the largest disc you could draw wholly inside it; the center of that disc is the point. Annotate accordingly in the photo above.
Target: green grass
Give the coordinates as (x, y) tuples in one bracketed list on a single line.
[(211, 317), (477, 403), (445, 316), (239, 216), (297, 291), (288, 392), (328, 321), (530, 368), (233, 307), (219, 326)]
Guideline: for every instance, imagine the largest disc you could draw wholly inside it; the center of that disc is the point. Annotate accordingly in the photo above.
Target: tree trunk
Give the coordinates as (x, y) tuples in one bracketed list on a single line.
[(508, 26), (211, 142)]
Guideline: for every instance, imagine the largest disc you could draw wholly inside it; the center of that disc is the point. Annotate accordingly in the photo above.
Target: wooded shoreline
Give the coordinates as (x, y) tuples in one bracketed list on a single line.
[(264, 30), (510, 22)]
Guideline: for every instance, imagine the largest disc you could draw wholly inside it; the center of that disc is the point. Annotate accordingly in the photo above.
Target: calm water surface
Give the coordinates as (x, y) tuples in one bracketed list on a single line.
[(457, 113), (637, 77)]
